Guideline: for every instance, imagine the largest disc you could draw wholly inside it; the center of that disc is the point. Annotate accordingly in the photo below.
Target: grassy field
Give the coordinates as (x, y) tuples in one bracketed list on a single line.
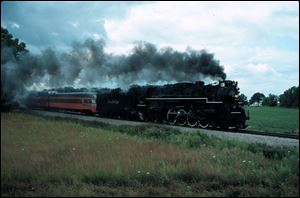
[(274, 119), (62, 157)]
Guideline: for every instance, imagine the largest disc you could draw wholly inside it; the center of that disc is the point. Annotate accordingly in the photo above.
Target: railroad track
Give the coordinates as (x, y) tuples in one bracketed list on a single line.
[(245, 131), (273, 134)]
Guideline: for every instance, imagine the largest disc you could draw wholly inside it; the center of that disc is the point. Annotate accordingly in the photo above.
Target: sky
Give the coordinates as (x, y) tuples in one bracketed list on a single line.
[(256, 42)]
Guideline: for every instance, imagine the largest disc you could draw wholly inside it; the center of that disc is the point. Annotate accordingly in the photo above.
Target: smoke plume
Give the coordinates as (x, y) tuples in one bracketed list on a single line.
[(87, 65)]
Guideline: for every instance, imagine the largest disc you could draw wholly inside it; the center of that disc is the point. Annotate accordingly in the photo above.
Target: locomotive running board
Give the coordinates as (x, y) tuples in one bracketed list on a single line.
[(206, 100)]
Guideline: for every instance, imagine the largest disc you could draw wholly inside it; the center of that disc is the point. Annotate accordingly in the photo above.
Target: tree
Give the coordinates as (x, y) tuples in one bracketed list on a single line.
[(290, 98), (7, 41), (271, 100), (257, 98), (244, 99)]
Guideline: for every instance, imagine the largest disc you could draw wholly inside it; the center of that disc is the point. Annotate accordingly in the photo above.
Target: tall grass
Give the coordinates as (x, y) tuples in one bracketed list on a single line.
[(63, 157)]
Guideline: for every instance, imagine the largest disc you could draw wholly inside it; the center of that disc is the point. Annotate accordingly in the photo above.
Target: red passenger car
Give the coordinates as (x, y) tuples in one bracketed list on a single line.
[(75, 101)]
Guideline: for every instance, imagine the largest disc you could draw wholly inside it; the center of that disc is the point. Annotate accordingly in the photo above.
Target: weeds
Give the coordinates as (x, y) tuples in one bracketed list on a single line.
[(64, 157)]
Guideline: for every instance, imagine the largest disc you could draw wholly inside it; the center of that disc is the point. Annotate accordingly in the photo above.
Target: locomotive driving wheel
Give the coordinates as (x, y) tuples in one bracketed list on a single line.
[(203, 122), (141, 116), (171, 116), (192, 119), (181, 119)]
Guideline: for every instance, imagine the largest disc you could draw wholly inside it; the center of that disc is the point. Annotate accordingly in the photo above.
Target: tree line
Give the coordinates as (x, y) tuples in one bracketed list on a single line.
[(289, 98)]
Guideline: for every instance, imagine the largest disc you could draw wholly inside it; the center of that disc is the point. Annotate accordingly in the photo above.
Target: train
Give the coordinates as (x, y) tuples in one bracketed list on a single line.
[(194, 104), (83, 102)]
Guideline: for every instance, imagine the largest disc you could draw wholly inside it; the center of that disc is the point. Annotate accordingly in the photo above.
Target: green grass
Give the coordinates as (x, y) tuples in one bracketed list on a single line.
[(274, 119), (64, 157)]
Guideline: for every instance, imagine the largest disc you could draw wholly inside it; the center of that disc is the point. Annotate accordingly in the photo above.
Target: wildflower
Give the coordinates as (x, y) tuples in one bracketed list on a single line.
[(289, 151), (147, 173), (244, 161), (139, 172), (214, 156)]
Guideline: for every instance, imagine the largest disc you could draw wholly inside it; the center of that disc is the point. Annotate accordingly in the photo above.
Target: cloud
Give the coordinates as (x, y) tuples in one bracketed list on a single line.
[(258, 68), (201, 24), (69, 19), (54, 33), (255, 41), (15, 25), (74, 24)]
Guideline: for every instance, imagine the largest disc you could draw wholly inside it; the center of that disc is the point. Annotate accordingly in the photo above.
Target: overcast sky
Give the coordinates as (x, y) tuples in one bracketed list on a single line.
[(256, 42)]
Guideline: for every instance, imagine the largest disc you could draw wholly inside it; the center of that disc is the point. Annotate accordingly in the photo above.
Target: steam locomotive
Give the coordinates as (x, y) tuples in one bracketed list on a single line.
[(193, 104)]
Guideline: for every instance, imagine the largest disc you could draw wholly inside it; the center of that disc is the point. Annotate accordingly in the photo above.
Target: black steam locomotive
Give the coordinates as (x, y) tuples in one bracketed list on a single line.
[(192, 104)]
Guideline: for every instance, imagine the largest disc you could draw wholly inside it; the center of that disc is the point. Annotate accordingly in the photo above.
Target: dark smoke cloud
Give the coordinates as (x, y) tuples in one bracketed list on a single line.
[(87, 65)]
